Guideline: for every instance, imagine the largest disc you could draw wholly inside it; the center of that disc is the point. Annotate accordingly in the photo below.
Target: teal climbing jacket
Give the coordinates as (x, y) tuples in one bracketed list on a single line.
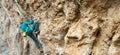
[(29, 31), (25, 25)]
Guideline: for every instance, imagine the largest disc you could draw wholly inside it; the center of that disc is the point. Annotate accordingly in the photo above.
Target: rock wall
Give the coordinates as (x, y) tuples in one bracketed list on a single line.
[(68, 27)]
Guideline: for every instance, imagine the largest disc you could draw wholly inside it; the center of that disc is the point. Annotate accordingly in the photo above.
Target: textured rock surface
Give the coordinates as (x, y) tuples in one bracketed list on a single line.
[(68, 27)]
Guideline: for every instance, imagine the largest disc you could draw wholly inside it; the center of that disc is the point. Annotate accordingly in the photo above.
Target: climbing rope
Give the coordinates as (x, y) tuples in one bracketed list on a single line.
[(20, 10), (22, 15)]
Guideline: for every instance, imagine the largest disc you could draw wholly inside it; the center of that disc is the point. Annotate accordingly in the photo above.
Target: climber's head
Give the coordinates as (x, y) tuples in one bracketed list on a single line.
[(22, 20)]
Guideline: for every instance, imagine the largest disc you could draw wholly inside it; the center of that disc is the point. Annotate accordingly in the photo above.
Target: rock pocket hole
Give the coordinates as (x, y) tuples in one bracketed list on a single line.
[(117, 42), (72, 40), (98, 32)]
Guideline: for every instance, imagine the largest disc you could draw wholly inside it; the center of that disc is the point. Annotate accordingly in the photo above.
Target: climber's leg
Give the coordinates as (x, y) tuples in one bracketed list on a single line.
[(37, 43), (35, 26), (31, 35)]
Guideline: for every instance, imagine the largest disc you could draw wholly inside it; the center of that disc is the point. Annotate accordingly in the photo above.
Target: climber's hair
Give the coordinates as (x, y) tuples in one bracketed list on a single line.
[(22, 20)]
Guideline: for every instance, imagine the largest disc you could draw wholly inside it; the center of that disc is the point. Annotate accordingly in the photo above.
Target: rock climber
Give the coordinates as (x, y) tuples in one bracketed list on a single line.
[(28, 31)]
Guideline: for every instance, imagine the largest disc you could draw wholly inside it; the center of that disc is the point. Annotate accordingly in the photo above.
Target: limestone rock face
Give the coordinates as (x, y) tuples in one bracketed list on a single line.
[(68, 27)]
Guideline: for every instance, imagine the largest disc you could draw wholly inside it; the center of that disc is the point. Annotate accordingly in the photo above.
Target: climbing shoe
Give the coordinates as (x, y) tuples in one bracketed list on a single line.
[(41, 51)]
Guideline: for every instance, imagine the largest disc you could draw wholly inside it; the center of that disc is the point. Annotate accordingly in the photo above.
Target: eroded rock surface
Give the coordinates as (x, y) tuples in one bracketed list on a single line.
[(68, 27)]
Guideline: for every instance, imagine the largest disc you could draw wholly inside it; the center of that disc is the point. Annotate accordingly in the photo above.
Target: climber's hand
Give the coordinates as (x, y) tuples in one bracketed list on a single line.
[(31, 18)]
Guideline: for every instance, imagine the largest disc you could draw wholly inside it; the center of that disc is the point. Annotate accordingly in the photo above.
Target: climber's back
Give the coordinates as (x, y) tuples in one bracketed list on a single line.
[(25, 24)]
